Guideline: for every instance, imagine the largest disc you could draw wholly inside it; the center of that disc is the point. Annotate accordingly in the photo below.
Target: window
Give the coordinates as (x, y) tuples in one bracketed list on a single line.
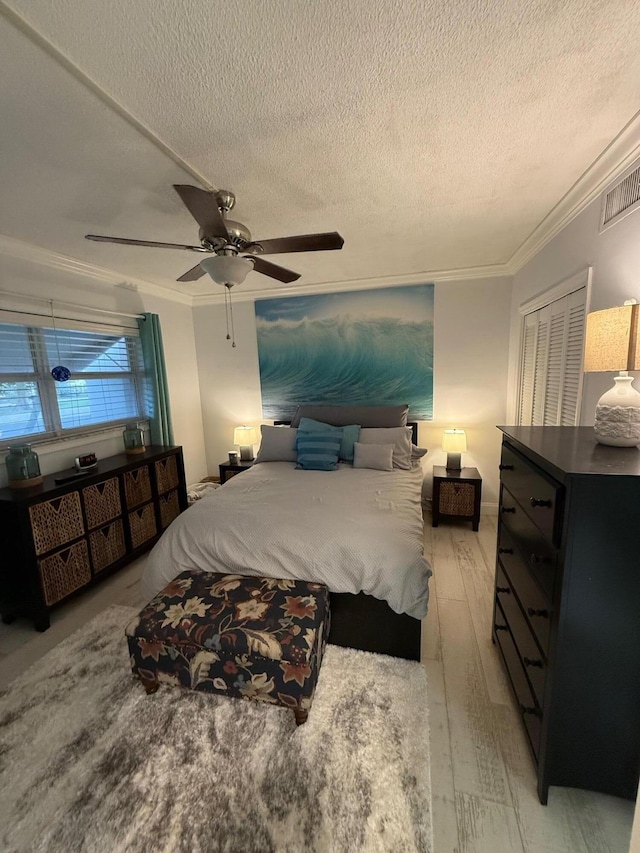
[(551, 362), (105, 385)]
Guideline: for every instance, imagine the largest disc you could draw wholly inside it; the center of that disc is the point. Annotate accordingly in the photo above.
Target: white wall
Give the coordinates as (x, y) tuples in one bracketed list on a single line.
[(177, 329), (470, 374), (615, 258)]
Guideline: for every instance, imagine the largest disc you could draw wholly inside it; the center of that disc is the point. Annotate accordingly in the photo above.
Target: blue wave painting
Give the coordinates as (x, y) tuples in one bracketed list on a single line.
[(366, 347)]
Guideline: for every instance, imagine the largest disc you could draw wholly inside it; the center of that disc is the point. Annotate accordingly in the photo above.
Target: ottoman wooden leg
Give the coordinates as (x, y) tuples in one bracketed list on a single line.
[(300, 715), (150, 685)]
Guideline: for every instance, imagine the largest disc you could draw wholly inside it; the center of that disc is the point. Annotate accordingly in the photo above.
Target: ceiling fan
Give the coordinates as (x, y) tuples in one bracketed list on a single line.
[(234, 253)]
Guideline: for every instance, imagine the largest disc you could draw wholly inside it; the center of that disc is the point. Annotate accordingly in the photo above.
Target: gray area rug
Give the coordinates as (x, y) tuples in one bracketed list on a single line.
[(89, 762)]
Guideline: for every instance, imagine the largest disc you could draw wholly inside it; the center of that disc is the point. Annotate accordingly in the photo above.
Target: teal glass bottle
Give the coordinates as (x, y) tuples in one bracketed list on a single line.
[(23, 466), (133, 436)]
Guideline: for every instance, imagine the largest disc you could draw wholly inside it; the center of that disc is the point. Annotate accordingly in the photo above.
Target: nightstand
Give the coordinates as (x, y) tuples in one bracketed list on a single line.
[(230, 469), (456, 494)]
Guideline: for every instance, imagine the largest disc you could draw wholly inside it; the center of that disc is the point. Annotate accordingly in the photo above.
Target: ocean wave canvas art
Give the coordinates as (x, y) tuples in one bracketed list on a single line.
[(366, 347)]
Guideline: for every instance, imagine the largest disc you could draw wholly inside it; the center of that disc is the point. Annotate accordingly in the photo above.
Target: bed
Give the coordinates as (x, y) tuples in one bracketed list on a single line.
[(357, 530)]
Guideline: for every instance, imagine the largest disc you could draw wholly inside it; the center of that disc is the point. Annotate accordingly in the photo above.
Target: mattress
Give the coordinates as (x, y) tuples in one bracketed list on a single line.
[(355, 530)]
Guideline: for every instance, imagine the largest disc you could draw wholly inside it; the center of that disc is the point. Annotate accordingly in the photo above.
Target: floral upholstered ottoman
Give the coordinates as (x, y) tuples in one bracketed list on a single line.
[(253, 638)]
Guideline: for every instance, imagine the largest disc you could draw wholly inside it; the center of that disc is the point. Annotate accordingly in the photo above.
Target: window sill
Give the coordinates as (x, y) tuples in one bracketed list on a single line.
[(70, 442)]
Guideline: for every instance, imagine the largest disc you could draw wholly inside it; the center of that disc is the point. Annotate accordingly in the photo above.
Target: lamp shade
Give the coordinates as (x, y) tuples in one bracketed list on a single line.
[(612, 339), (227, 269), (245, 435), (454, 441), (613, 343)]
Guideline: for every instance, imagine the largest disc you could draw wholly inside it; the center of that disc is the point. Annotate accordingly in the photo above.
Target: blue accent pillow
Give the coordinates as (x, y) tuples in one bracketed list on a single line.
[(318, 451), (350, 434)]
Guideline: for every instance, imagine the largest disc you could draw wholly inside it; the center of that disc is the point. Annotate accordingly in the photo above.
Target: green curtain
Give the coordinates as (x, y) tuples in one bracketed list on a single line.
[(157, 392)]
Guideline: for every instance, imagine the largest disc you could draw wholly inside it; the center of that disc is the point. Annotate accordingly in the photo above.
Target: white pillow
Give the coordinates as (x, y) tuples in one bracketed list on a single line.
[(418, 452), (400, 437), (278, 444), (377, 456)]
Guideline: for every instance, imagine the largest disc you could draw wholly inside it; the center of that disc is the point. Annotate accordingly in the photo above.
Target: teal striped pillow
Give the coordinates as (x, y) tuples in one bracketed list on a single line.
[(318, 451)]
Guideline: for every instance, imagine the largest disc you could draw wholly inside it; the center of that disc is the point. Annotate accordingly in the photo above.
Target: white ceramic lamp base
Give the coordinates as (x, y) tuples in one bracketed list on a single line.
[(618, 415)]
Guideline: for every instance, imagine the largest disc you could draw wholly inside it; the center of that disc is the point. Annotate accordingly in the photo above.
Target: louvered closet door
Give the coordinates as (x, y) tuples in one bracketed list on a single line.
[(551, 362)]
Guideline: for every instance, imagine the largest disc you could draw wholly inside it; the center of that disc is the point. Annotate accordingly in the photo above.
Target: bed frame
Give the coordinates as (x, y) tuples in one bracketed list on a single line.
[(364, 622)]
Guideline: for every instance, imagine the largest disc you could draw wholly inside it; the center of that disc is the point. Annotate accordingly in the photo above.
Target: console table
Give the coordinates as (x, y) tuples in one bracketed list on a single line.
[(59, 538)]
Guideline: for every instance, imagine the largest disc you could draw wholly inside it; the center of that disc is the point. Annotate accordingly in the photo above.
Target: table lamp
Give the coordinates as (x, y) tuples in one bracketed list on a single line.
[(245, 437), (454, 441), (613, 343)]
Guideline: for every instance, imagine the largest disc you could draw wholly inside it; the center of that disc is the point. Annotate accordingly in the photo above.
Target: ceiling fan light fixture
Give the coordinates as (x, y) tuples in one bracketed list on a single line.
[(227, 269)]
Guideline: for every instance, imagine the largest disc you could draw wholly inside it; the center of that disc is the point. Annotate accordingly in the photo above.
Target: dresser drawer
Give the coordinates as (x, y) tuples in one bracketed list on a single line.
[(137, 486), (536, 549), (536, 606), (539, 495), (142, 525), (529, 710), (531, 659), (64, 571), (101, 502), (56, 522)]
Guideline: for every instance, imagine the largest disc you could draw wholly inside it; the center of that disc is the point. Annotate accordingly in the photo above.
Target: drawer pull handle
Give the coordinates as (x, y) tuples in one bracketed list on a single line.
[(540, 502), (500, 628), (535, 559), (525, 710), (503, 589), (529, 662), (544, 614), (504, 467), (505, 550), (507, 509)]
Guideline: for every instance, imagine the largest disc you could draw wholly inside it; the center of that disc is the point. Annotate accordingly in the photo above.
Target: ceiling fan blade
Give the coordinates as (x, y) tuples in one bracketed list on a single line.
[(99, 238), (273, 270), (202, 205), (301, 243), (193, 274)]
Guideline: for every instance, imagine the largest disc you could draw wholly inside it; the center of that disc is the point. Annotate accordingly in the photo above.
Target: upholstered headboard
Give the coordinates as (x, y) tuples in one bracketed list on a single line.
[(366, 416), (364, 422)]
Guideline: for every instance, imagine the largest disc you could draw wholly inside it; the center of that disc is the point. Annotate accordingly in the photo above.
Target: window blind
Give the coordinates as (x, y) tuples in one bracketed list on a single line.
[(551, 362), (105, 387)]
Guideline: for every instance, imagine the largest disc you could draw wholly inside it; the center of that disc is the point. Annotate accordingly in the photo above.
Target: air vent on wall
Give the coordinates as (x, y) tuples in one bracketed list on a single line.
[(621, 199)]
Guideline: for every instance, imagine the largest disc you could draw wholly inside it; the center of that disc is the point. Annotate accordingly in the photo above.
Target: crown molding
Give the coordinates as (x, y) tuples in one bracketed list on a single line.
[(616, 158), (426, 277), (11, 247)]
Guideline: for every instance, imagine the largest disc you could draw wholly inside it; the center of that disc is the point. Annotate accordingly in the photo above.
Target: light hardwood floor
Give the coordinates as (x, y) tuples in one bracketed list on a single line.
[(483, 782)]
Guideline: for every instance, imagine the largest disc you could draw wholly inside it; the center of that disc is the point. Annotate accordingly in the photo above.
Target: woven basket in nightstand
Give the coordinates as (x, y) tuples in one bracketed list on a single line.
[(137, 486), (457, 499), (101, 502)]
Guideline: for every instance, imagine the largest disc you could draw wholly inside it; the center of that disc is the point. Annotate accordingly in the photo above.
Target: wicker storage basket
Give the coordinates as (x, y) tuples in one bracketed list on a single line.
[(169, 508), (166, 474), (457, 499), (137, 486), (142, 524), (64, 572), (107, 545), (101, 502), (56, 521)]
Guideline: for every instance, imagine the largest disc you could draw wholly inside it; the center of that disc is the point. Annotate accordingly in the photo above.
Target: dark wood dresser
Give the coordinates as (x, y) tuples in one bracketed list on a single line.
[(57, 539), (567, 603)]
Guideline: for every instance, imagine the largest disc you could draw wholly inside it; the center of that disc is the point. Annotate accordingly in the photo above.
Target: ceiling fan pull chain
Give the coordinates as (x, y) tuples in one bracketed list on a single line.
[(226, 313), (233, 331)]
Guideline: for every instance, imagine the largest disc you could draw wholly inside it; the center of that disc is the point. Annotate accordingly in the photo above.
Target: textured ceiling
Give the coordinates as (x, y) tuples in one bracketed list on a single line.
[(433, 135)]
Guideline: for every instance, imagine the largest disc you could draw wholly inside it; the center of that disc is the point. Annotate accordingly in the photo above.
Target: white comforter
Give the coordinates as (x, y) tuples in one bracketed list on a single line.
[(351, 529)]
